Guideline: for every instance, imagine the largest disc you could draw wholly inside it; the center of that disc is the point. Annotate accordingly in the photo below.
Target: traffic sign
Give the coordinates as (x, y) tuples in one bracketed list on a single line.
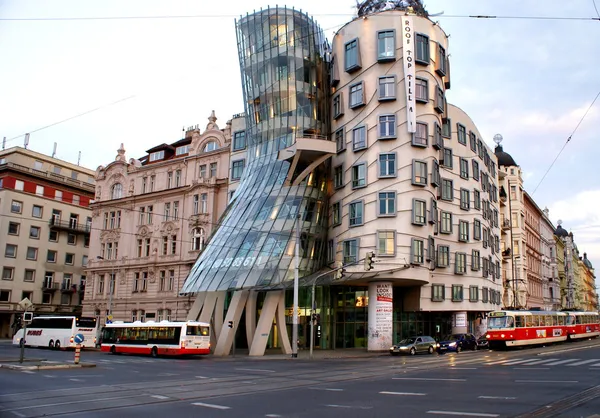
[(25, 304), (78, 338), (109, 317)]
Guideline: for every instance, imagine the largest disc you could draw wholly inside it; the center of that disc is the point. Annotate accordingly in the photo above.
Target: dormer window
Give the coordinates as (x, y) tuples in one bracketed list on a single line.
[(210, 146), (182, 150), (155, 156)]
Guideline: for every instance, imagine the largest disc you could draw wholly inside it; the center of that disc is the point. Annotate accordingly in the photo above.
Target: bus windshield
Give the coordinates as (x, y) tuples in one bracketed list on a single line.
[(196, 330), (85, 323)]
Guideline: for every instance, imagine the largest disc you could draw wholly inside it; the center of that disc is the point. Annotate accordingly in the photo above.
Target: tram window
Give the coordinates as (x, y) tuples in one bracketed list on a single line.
[(549, 320), (560, 320), (528, 321), (519, 323), (570, 320)]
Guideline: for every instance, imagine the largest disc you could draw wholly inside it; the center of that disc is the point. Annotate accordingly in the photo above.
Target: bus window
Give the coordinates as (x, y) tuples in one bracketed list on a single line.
[(195, 330)]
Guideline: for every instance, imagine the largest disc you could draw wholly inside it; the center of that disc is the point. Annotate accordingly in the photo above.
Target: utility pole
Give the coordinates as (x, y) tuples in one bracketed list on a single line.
[(295, 305)]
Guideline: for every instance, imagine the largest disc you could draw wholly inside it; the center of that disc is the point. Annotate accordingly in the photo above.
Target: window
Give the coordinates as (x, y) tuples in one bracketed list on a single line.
[(29, 275), (58, 195), (387, 203), (338, 176), (16, 206), (184, 149), (51, 256), (202, 171), (70, 259), (441, 61), (387, 126), (447, 161), (419, 212), (155, 156), (437, 293), (38, 165), (239, 140), (446, 227), (473, 141), (463, 231), (350, 251), (386, 243), (387, 88), (386, 45), (356, 213), (484, 294), (435, 174), (438, 140), (213, 169), (359, 175), (177, 178), (116, 191), (210, 146), (4, 295), (19, 185), (457, 293), (460, 266), (447, 190), (352, 56), (71, 239), (420, 137), (8, 273), (447, 128), (338, 107), (10, 251), (477, 230), (37, 211), (465, 199), (475, 260), (462, 134), (359, 138), (197, 239), (13, 228), (440, 100), (165, 245), (422, 90), (53, 236), (84, 260), (443, 256), (46, 298), (387, 165), (39, 190), (422, 49), (416, 251), (476, 199), (173, 244), (356, 95), (204, 203), (340, 142), (419, 173), (32, 253), (336, 213), (169, 179), (475, 170), (237, 168), (433, 213), (464, 168)]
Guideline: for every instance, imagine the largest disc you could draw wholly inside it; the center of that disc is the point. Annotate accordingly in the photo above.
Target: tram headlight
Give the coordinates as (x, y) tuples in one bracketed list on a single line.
[(501, 335)]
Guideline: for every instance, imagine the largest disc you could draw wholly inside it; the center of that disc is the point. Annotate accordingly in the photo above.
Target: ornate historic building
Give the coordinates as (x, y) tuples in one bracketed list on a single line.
[(45, 239), (152, 217)]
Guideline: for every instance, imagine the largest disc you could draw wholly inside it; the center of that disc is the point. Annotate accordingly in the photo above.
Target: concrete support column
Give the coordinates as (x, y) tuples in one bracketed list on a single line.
[(194, 312), (459, 322), (265, 323), (381, 315), (234, 313), (251, 317)]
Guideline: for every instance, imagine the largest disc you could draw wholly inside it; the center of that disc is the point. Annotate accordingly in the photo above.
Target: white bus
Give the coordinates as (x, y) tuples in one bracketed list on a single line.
[(156, 338), (58, 332)]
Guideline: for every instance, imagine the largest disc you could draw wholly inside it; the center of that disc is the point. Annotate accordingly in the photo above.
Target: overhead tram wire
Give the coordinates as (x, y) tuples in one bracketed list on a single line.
[(566, 142)]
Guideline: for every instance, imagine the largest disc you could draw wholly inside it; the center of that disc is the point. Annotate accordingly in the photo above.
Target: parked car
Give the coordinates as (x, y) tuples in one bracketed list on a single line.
[(414, 345), (483, 343), (457, 343)]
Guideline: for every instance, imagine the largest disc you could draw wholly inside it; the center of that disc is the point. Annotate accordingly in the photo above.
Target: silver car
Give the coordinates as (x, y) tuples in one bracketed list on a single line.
[(414, 345)]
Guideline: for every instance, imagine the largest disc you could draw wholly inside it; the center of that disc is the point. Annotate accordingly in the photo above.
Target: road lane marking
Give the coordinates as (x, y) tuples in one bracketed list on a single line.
[(531, 368), (579, 363), (159, 396), (28, 372), (48, 375), (563, 350), (490, 363), (257, 370), (201, 377), (328, 389), (272, 415), (522, 362), (18, 414), (210, 405), (70, 402), (349, 406), (462, 368), (556, 363), (463, 414), (546, 381), (536, 362), (507, 398), (167, 374), (402, 393), (429, 379), (77, 380)]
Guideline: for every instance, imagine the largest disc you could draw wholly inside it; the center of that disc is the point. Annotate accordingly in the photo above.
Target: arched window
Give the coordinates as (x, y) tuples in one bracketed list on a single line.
[(116, 192), (210, 146), (197, 239)]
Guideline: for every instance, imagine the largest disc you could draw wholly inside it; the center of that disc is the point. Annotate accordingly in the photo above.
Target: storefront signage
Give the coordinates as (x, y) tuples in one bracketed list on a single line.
[(408, 48), (460, 319), (381, 314)]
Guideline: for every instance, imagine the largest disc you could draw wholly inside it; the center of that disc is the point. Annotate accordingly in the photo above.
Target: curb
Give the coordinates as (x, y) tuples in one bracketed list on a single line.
[(47, 367)]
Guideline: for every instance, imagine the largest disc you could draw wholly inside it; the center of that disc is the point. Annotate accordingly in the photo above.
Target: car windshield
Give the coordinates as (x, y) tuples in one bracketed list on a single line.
[(407, 341), (454, 337)]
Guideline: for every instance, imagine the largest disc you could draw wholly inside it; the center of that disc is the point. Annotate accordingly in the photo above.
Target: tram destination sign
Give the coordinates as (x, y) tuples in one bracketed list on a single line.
[(494, 314)]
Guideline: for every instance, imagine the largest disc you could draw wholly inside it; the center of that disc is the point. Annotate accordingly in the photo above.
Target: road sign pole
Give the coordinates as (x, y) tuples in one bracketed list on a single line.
[(22, 355)]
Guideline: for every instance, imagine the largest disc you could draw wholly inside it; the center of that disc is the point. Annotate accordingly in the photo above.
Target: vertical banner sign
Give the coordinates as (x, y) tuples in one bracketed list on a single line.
[(408, 48), (381, 314)]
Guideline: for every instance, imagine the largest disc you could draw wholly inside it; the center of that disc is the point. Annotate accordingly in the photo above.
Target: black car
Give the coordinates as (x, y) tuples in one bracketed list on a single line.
[(458, 343), (483, 343)]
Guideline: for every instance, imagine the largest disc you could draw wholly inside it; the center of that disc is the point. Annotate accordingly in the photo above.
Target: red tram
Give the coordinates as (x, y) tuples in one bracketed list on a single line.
[(525, 328)]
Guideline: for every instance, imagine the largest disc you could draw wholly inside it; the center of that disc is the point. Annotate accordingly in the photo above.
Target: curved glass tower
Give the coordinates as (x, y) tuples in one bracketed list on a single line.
[(285, 80)]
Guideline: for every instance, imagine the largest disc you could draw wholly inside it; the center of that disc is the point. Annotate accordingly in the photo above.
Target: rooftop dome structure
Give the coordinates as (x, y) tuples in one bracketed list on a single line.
[(587, 262), (560, 231)]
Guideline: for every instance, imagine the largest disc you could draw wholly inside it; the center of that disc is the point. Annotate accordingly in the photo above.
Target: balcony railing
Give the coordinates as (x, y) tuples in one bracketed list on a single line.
[(506, 224), (49, 286), (72, 226), (68, 287), (49, 175)]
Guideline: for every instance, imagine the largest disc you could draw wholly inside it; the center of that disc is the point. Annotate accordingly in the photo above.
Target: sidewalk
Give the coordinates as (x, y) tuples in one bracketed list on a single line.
[(276, 354)]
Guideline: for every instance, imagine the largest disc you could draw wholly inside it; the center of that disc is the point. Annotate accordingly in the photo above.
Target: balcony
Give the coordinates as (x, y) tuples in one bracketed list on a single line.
[(309, 147), (47, 175), (69, 226), (505, 224), (66, 287), (49, 286)]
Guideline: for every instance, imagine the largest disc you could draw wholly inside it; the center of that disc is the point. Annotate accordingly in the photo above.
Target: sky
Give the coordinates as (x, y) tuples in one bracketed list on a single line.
[(531, 80)]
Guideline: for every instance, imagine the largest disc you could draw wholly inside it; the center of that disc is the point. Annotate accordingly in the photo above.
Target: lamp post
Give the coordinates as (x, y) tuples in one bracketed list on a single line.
[(295, 304)]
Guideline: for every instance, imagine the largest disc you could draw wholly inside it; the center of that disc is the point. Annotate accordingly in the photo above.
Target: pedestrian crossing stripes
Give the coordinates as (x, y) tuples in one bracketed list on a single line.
[(573, 362)]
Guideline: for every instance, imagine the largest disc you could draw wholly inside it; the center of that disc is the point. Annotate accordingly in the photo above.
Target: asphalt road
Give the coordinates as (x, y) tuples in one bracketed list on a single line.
[(552, 381)]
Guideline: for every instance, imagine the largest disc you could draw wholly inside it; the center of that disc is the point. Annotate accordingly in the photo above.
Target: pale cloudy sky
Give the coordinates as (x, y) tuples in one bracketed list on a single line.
[(530, 80)]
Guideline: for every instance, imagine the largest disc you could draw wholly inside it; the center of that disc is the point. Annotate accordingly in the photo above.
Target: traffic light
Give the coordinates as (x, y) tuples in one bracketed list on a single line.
[(369, 260), (230, 324), (339, 273)]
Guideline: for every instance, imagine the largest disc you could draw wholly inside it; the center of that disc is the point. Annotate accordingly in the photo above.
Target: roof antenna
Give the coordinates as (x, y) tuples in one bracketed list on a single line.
[(54, 151)]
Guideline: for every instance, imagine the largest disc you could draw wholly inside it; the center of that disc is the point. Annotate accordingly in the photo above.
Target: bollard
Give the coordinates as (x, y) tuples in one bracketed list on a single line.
[(77, 353)]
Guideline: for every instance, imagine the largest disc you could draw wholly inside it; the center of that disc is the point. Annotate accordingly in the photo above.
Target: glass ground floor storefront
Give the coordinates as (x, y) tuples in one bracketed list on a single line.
[(342, 319)]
